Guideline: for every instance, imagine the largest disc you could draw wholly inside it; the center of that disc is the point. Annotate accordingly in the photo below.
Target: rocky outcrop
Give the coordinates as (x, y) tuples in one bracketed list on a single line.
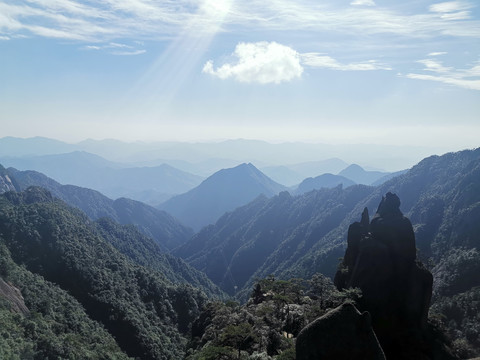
[(342, 333), (396, 288), (13, 296), (6, 183)]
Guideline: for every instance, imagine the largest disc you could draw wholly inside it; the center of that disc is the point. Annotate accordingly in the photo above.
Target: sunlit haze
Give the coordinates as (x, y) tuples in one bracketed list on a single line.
[(362, 71)]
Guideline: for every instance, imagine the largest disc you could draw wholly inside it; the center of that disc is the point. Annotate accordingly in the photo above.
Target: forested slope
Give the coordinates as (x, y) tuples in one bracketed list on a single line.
[(146, 314), (159, 225)]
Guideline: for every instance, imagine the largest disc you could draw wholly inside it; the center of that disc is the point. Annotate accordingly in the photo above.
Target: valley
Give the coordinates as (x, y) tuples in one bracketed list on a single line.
[(153, 271)]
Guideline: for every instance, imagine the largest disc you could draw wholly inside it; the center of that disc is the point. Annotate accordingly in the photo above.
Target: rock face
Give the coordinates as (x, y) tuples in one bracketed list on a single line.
[(343, 333), (13, 296), (396, 288), (6, 184)]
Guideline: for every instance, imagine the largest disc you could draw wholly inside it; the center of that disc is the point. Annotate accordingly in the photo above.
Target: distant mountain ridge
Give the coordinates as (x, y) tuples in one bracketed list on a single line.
[(112, 179), (240, 150), (223, 191), (294, 174), (359, 175), (322, 181)]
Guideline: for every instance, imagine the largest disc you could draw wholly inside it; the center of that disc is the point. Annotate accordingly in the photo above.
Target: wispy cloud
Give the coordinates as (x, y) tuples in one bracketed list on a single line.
[(363, 3), (438, 53), (116, 49), (129, 53), (261, 62), (452, 10), (435, 66), (323, 61), (465, 78), (4, 38), (141, 19), (450, 6)]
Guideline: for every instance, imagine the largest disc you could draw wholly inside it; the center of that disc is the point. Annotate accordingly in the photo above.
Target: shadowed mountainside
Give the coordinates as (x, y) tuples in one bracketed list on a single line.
[(299, 236)]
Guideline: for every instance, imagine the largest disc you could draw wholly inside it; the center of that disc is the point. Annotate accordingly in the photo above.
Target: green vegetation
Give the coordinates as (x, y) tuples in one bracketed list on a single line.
[(119, 285), (146, 314), (266, 326), (56, 325)]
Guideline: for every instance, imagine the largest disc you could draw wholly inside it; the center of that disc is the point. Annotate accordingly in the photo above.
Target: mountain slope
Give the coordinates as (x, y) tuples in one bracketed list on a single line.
[(223, 191), (267, 234), (159, 225), (140, 307), (50, 324), (322, 181), (440, 195), (299, 236)]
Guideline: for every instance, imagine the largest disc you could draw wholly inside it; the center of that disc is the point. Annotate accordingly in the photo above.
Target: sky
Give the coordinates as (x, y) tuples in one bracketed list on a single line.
[(357, 71)]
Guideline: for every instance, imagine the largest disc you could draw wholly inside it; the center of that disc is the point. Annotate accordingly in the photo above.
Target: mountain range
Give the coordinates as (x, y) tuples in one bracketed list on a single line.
[(232, 152), (149, 184), (297, 236), (322, 181), (134, 298)]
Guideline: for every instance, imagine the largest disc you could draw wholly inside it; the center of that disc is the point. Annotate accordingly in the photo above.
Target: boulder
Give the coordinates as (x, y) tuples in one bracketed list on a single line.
[(342, 333)]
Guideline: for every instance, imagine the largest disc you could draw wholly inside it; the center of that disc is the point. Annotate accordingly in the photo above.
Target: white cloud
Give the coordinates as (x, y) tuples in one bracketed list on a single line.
[(129, 53), (363, 2), (265, 62), (118, 46), (435, 66), (116, 49), (465, 78), (452, 10), (4, 38), (438, 53), (451, 80), (324, 61), (261, 62), (450, 6), (92, 47)]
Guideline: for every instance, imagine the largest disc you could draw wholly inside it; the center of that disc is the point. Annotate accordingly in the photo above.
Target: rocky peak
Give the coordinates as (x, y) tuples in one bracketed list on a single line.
[(380, 259)]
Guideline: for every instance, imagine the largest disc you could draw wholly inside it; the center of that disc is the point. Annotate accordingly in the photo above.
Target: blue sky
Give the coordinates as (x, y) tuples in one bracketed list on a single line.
[(358, 71)]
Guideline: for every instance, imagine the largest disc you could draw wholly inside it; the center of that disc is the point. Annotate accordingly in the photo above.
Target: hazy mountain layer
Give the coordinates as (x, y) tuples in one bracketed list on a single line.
[(322, 181), (358, 175), (260, 152), (112, 179), (223, 191)]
